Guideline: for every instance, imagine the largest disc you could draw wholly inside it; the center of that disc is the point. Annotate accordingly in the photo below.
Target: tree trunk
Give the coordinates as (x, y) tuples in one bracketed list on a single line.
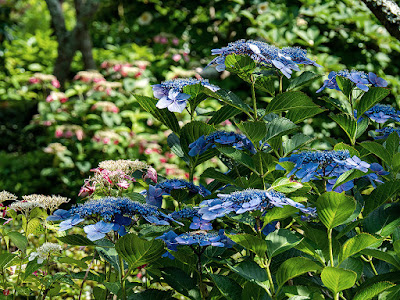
[(71, 41), (388, 13)]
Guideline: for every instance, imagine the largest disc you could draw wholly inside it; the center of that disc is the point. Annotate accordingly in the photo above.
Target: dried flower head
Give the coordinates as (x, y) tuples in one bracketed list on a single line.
[(4, 196)]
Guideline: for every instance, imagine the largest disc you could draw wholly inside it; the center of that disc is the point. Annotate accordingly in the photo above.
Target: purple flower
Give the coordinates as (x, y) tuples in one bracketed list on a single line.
[(199, 223), (119, 224), (154, 196), (98, 231), (376, 81), (69, 223), (59, 215), (175, 101), (360, 81)]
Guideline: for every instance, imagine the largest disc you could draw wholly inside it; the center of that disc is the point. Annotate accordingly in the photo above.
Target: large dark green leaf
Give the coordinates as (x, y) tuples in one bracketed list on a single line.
[(163, 115), (224, 113), (299, 115), (294, 267), (76, 240), (250, 242), (334, 208), (347, 123), (290, 100), (305, 78), (251, 271), (356, 244), (384, 220), (279, 127), (212, 173), (181, 282), (265, 84), (345, 85), (238, 156), (280, 241), (137, 252), (380, 195), (174, 144), (378, 150), (231, 99), (370, 98), (18, 240), (229, 288), (342, 105), (255, 131), (151, 294), (240, 64), (296, 142), (373, 290), (197, 95), (5, 259)]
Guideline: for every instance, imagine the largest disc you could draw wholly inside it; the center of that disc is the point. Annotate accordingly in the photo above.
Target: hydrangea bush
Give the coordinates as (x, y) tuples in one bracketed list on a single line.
[(286, 218)]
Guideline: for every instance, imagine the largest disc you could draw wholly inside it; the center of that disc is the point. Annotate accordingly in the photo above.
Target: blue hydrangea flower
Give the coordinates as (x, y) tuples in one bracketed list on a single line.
[(169, 185), (98, 231), (359, 78), (246, 200), (171, 96), (199, 223), (185, 213), (59, 215), (329, 165), (119, 224), (270, 227), (236, 140), (169, 240), (154, 196), (69, 223), (201, 238), (385, 132), (381, 113), (285, 60)]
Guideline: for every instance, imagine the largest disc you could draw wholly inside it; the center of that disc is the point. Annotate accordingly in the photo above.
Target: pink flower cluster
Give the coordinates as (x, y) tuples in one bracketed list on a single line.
[(106, 106), (89, 76), (124, 69), (69, 131), (57, 96), (162, 39), (39, 78)]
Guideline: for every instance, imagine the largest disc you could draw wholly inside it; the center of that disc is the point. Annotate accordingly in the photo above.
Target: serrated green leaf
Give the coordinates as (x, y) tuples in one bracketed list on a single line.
[(279, 213), (72, 261), (163, 115), (294, 267), (224, 113), (238, 156), (31, 267), (380, 195), (370, 98), (337, 279), (305, 78), (373, 290), (279, 127), (381, 255), (76, 240), (18, 240), (348, 176), (343, 146), (174, 144), (5, 259), (251, 272), (137, 252), (289, 101), (356, 244), (285, 185), (180, 281), (250, 242), (280, 241), (347, 123), (197, 95), (227, 286), (299, 115), (384, 220), (265, 84), (212, 173), (231, 99), (345, 85), (255, 131), (378, 150), (296, 142), (342, 105), (392, 144), (151, 294), (334, 209)]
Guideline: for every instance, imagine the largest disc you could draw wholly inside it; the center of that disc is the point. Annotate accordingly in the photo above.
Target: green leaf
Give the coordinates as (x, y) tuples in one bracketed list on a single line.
[(279, 213), (345, 85), (284, 185), (151, 294), (348, 176), (18, 240), (380, 195), (251, 271), (337, 279), (224, 113), (250, 242), (384, 220), (370, 98), (294, 267), (381, 255), (392, 144), (5, 259), (264, 162), (255, 131), (113, 287), (136, 197), (72, 261), (181, 282), (238, 156), (334, 209), (342, 105), (280, 241), (373, 290), (190, 133), (347, 123), (361, 127), (305, 78), (296, 142), (356, 244), (76, 240), (279, 127), (212, 173), (33, 226), (289, 101), (197, 95), (378, 150), (227, 286), (231, 99), (343, 146), (137, 252), (251, 291), (265, 84), (240, 64), (31, 267), (163, 115), (174, 144), (299, 115)]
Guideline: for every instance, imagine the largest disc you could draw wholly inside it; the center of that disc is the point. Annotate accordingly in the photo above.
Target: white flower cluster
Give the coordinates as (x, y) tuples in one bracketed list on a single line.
[(29, 202), (44, 251), (124, 165), (4, 196)]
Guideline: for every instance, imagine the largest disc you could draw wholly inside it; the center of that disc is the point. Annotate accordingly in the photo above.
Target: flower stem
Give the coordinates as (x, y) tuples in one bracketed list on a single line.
[(280, 84), (330, 247), (121, 265), (253, 96), (271, 282)]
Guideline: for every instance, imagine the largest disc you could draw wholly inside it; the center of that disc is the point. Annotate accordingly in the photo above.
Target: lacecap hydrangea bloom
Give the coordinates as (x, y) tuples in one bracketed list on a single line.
[(43, 252), (112, 213), (236, 140), (329, 165), (155, 193), (170, 93), (381, 113), (247, 200), (286, 60), (359, 78)]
